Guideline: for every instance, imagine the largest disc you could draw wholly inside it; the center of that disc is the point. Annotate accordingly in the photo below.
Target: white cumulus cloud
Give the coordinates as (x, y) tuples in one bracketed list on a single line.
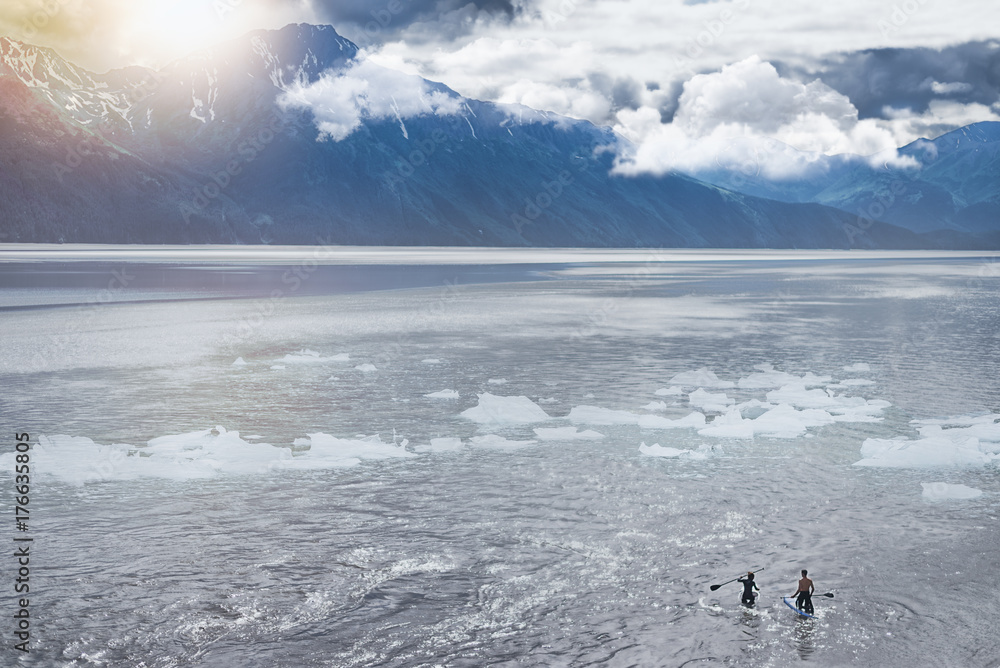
[(747, 113), (340, 101)]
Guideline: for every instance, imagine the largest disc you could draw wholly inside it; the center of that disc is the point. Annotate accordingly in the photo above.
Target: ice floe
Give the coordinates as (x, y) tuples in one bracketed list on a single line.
[(447, 444), (495, 441), (566, 434), (655, 406), (710, 402), (604, 416), (326, 450), (443, 394), (703, 377), (673, 391), (923, 453), (240, 362), (943, 491), (493, 409), (767, 377), (692, 420), (781, 421), (194, 455), (657, 450), (960, 442)]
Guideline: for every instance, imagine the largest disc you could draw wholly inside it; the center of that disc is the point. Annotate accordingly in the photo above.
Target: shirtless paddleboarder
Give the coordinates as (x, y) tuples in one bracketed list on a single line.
[(804, 594)]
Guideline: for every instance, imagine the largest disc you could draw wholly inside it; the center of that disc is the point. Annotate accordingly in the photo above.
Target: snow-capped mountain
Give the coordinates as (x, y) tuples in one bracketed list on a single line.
[(951, 191), (289, 136)]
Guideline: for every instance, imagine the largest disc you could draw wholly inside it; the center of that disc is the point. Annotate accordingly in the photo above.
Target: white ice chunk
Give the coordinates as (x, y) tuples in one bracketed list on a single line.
[(497, 381), (493, 409), (985, 430), (729, 425), (942, 491), (307, 356), (655, 406), (961, 421), (860, 367), (692, 420), (441, 445), (703, 377), (842, 407), (326, 450), (924, 453), (240, 362), (443, 394), (567, 434), (495, 441), (782, 421), (673, 391), (201, 454), (710, 402), (657, 450), (366, 368), (767, 377), (597, 415), (277, 367)]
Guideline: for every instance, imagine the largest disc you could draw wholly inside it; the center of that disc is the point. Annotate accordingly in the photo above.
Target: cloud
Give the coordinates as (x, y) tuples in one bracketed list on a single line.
[(911, 78), (940, 117), (340, 101), (368, 23), (572, 80), (748, 113)]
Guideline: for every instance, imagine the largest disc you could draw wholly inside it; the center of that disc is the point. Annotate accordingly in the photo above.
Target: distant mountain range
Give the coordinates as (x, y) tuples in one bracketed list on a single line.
[(952, 195), (202, 151)]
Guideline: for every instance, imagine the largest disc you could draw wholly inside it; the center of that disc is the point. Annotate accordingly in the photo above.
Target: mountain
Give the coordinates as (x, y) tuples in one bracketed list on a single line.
[(951, 193), (234, 145)]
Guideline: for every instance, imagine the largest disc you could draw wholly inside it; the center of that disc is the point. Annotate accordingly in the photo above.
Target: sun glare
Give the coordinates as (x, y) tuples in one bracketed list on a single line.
[(174, 29)]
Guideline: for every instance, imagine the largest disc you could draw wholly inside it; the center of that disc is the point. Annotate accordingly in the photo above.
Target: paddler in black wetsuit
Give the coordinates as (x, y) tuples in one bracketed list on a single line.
[(804, 594), (748, 586)]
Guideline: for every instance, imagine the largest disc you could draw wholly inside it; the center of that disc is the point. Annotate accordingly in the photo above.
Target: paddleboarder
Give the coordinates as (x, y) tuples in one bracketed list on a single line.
[(749, 585), (804, 593)]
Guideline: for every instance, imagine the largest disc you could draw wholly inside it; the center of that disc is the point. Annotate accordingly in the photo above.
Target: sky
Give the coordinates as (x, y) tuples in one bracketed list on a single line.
[(682, 79)]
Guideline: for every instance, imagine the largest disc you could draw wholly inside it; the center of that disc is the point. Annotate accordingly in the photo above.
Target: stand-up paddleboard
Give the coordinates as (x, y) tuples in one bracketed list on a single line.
[(792, 606)]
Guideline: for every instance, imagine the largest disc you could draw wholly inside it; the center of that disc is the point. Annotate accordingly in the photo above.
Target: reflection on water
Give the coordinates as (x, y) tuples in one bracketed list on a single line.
[(804, 637)]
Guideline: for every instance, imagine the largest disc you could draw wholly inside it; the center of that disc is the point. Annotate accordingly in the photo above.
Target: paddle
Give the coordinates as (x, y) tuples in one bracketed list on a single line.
[(714, 587)]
